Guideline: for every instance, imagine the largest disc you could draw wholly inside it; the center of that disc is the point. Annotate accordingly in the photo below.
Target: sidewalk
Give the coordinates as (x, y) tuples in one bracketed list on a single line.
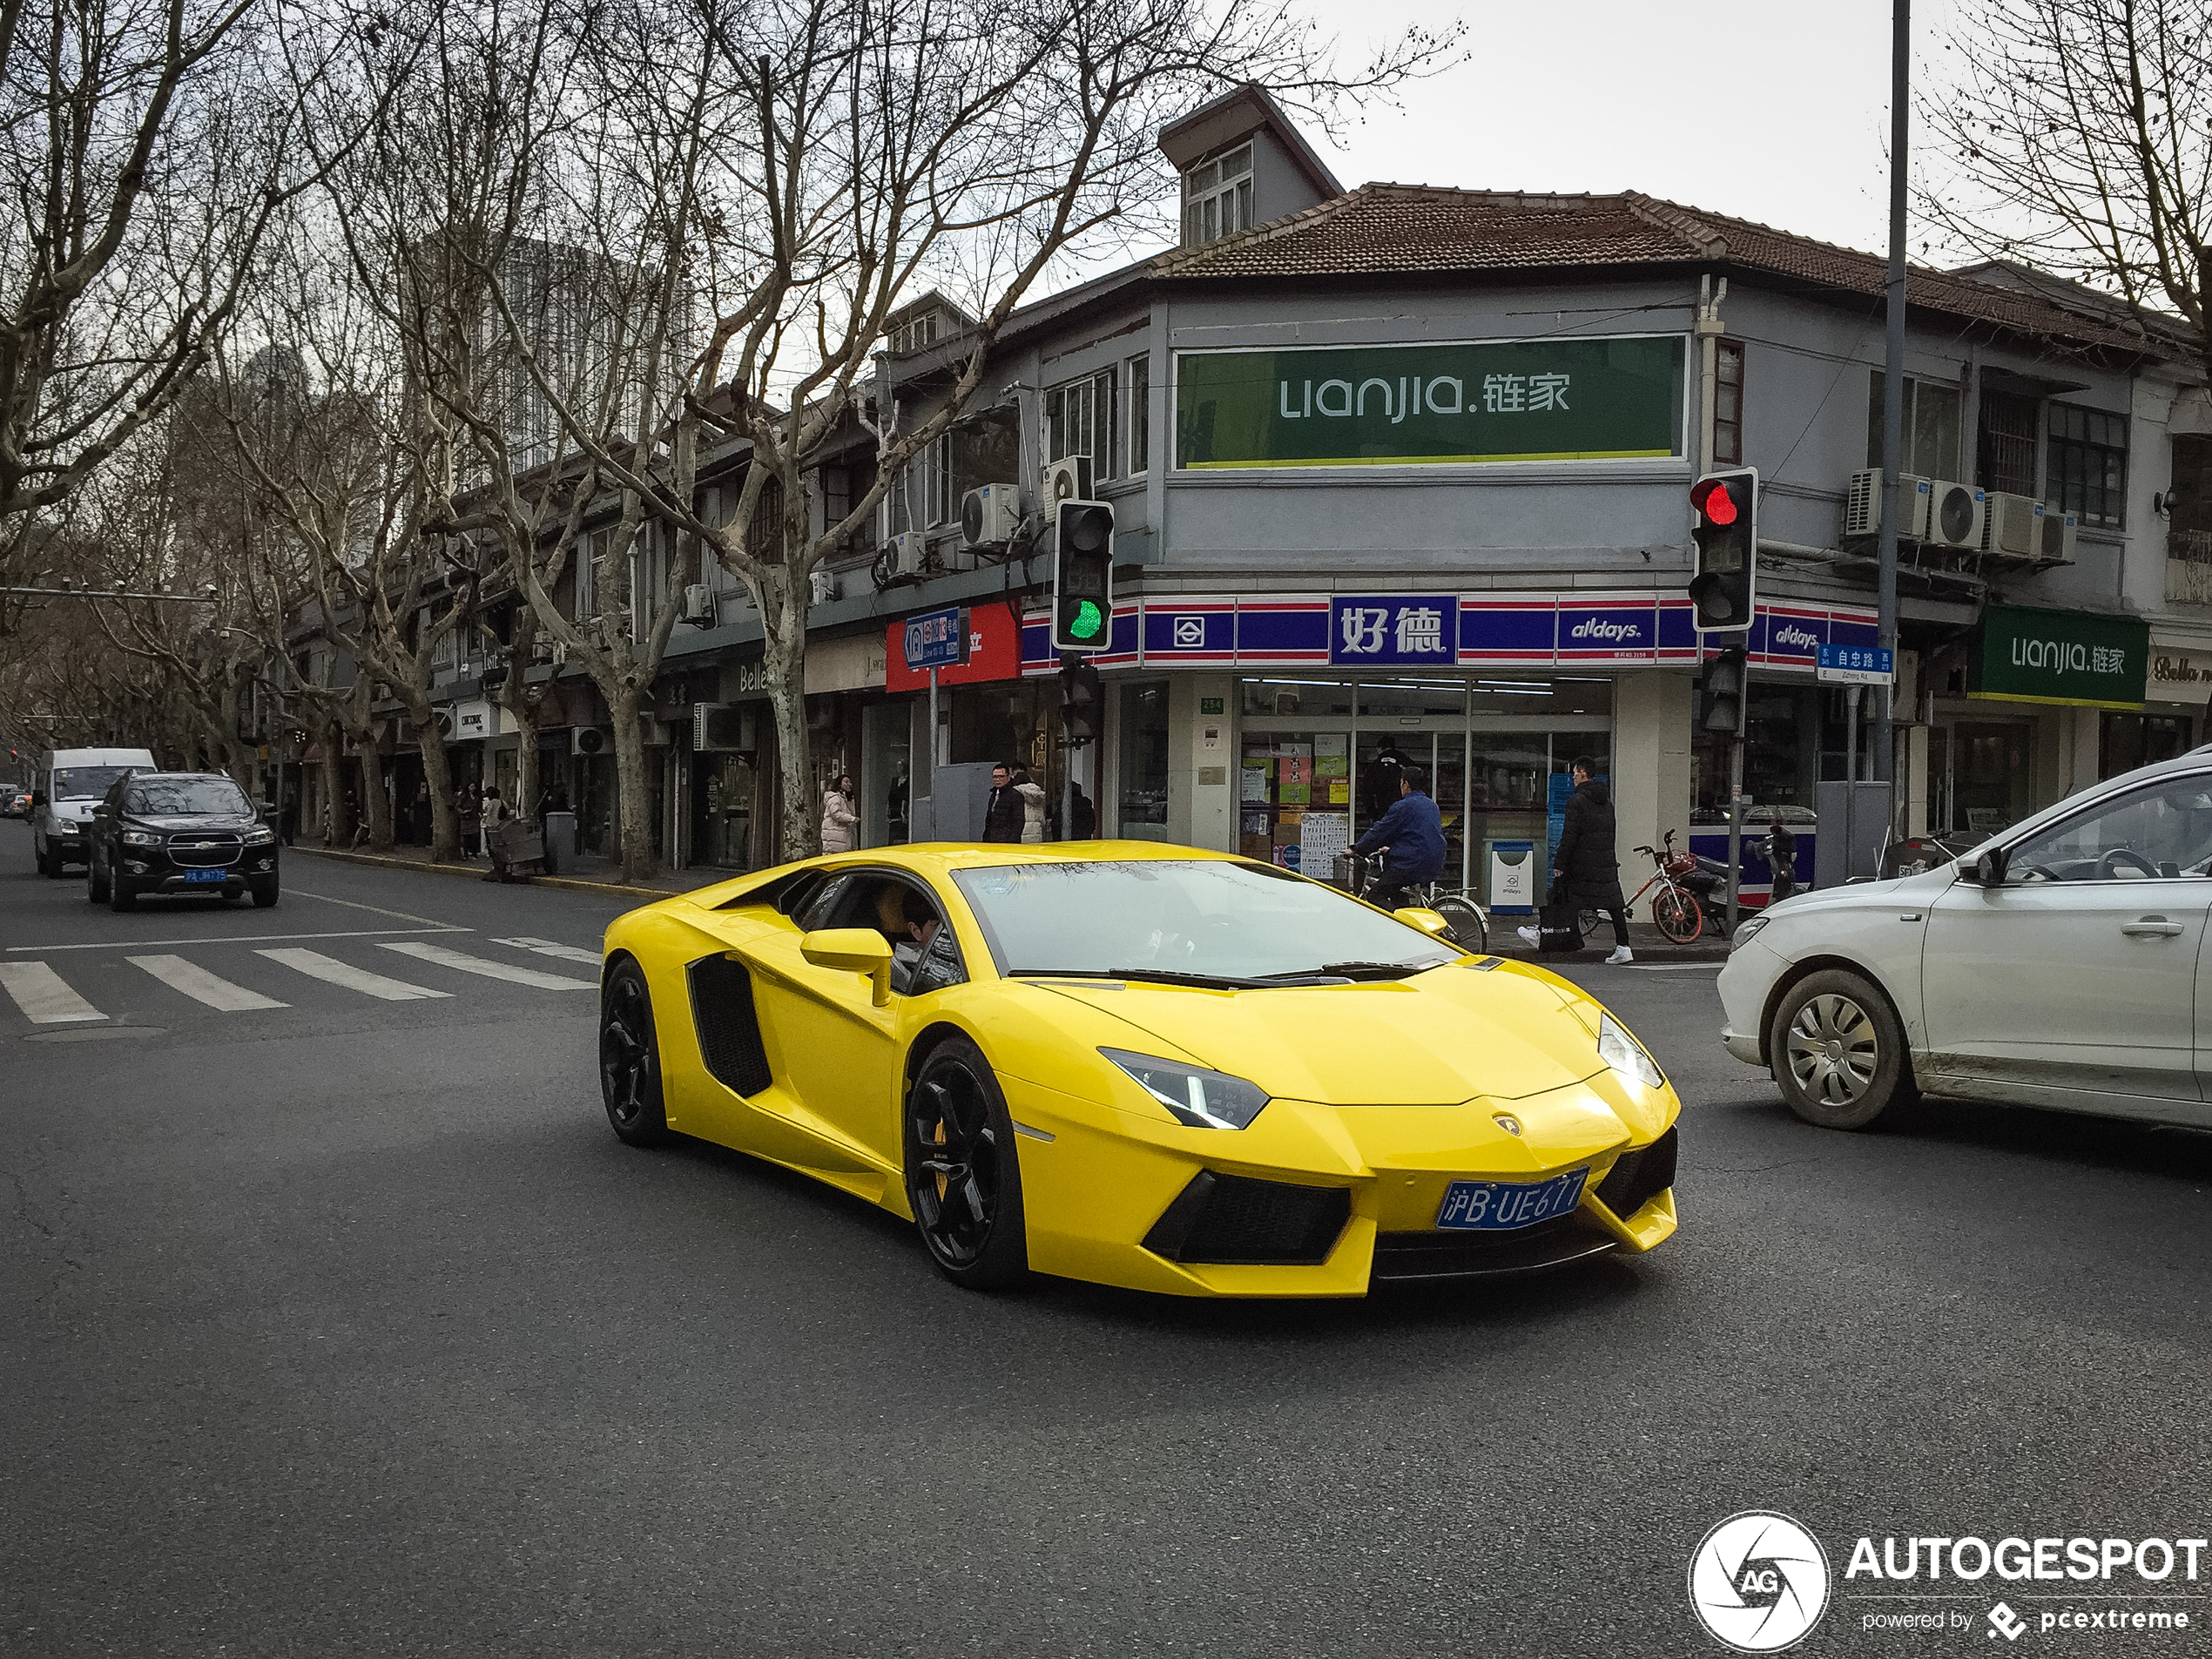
[(583, 873), (1651, 946)]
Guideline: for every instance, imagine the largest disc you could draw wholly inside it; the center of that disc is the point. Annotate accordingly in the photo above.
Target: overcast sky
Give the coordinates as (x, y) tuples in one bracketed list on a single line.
[(1769, 109)]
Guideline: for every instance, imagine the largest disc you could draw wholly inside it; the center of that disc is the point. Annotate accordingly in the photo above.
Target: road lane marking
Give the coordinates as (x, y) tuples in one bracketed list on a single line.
[(355, 904), (424, 951), (237, 939), (547, 947), (44, 995), (201, 985), (315, 965)]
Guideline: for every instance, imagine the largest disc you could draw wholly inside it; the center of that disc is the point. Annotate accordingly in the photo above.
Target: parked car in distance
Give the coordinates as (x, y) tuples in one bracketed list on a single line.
[(2057, 964), (69, 785), (180, 833), (14, 801)]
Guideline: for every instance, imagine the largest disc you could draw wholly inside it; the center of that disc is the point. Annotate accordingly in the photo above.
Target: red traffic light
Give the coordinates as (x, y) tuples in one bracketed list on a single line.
[(1710, 497)]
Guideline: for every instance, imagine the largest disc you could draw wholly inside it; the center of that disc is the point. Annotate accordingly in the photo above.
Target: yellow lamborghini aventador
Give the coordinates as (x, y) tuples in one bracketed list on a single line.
[(1143, 1065)]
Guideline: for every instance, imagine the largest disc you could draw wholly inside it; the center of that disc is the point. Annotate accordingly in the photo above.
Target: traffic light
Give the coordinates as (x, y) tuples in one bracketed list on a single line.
[(1725, 693), (1725, 509), (1082, 577), (1082, 699)]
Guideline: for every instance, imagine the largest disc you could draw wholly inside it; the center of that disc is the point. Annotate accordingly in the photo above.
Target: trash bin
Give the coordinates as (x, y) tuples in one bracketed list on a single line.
[(560, 839)]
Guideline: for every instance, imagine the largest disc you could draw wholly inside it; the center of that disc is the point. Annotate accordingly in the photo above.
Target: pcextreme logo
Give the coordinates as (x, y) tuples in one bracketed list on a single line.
[(1759, 1582)]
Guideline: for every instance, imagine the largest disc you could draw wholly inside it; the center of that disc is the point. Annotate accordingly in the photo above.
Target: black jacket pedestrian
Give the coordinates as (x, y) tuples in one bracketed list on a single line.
[(1585, 857), (1084, 825), (1004, 817)]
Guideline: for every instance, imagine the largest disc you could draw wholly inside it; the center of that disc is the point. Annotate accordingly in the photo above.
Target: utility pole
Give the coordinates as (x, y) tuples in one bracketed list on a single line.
[(1893, 384)]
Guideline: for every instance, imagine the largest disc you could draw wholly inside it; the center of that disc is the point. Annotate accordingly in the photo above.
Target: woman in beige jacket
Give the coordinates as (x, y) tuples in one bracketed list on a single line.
[(840, 825)]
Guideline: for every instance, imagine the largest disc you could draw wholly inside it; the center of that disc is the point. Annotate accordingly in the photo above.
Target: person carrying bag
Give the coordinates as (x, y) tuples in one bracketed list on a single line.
[(1557, 932)]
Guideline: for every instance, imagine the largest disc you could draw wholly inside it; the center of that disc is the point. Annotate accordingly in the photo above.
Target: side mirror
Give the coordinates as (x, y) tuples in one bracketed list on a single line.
[(1988, 870), (856, 950), (1428, 920)]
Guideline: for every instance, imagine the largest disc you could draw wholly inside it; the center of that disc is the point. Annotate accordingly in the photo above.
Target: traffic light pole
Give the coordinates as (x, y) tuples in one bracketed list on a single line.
[(1894, 382)]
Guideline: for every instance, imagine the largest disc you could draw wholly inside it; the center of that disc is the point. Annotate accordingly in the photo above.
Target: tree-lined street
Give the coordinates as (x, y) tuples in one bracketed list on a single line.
[(347, 1327)]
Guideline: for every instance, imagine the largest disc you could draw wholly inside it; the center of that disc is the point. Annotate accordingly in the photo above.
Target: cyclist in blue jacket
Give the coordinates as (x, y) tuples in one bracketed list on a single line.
[(1413, 830)]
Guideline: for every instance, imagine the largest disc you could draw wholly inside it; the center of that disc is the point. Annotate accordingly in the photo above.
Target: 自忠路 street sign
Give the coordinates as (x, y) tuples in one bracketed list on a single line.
[(1856, 665)]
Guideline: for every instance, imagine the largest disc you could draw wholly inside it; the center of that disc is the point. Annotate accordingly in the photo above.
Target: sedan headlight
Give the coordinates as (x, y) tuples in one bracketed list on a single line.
[(1201, 1098), (140, 838), (1625, 1055), (1746, 930), (259, 837)]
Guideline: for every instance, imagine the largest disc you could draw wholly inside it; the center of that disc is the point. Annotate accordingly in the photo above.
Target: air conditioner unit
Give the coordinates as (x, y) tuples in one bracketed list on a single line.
[(822, 584), (2055, 529), (1955, 513), (698, 606), (724, 728), (909, 552), (590, 740), (989, 516), (2012, 532), (1068, 479), (1863, 505)]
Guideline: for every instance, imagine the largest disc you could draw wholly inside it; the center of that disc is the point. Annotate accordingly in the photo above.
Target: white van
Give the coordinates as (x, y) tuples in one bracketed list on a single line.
[(70, 783)]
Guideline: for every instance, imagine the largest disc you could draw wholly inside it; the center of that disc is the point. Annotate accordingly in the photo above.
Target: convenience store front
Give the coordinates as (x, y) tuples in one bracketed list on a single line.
[(1285, 740)]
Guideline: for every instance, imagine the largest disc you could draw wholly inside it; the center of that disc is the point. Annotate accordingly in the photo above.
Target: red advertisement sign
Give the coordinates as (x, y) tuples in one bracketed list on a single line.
[(994, 652)]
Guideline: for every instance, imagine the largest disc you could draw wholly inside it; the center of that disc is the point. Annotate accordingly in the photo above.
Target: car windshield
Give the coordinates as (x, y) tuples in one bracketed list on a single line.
[(1195, 919), (84, 783), (186, 797)]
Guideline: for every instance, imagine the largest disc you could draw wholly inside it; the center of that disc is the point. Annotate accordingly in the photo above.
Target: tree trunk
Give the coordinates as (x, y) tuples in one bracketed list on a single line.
[(340, 822), (437, 772), (524, 715), (633, 804), (373, 802), (784, 652)]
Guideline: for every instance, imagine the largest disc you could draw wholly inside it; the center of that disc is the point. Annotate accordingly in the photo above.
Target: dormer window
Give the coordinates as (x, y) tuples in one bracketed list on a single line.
[(915, 331), (1218, 197)]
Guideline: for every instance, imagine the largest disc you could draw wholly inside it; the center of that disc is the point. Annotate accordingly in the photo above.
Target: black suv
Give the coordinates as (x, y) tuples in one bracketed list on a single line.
[(178, 832)]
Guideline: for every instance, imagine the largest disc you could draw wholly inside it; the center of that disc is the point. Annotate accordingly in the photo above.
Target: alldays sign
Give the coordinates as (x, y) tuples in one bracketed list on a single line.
[(1526, 399), (2065, 657)]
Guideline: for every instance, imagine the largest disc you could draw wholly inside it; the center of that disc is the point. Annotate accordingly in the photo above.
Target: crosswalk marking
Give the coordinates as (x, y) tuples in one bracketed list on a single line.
[(424, 951), (315, 965), (43, 996), (201, 985), (547, 947)]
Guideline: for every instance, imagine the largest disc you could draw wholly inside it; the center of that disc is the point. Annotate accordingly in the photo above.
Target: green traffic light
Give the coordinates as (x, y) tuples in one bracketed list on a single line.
[(1089, 619)]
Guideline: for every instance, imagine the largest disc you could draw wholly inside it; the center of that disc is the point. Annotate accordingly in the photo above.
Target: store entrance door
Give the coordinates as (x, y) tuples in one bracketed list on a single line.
[(1981, 775)]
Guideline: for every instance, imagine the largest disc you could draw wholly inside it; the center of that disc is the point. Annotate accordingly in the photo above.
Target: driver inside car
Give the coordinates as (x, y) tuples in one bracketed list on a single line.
[(922, 954)]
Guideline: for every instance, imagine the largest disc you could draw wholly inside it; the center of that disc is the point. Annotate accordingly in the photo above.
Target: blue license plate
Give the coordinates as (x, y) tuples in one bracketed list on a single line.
[(206, 875), (1500, 1206)]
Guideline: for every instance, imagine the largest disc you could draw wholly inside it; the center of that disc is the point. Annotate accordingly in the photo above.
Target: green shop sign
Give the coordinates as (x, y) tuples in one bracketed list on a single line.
[(2091, 662), (1369, 406)]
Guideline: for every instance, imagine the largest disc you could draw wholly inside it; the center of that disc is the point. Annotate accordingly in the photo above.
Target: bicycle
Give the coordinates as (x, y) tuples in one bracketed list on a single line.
[(1675, 910), (1468, 923)]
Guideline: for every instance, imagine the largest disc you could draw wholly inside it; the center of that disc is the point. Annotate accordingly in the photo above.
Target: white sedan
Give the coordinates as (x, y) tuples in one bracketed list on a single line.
[(2059, 964)]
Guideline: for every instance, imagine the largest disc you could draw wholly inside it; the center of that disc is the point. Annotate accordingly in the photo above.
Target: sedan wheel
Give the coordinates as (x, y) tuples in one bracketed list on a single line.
[(96, 880), (1838, 1052), (630, 1079), (963, 1181)]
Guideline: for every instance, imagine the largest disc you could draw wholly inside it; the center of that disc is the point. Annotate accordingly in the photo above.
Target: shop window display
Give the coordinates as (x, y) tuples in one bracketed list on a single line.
[(1142, 752)]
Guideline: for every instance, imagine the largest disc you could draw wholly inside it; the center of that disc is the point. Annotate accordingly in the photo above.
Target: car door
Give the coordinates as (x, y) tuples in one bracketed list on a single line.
[(2073, 981)]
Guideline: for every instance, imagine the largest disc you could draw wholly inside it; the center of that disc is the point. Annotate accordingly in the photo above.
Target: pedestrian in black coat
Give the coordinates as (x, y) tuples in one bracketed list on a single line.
[(1586, 862), (1006, 813)]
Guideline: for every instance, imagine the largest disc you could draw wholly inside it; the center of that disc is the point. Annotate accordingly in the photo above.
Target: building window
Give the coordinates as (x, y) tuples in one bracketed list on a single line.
[(2088, 454), (1144, 756), (1140, 414), (1931, 427), (1218, 197), (915, 333), (2005, 443), (1727, 403), (1079, 421), (922, 498)]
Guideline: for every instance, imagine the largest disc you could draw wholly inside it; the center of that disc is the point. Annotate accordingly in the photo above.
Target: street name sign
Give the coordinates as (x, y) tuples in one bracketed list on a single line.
[(1856, 665)]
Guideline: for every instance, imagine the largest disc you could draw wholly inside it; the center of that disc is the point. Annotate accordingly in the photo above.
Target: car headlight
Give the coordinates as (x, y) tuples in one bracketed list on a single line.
[(259, 837), (1746, 929), (140, 838), (1625, 1055), (1201, 1098)]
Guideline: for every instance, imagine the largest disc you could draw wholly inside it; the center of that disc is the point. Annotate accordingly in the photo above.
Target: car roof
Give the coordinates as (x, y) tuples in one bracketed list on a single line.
[(100, 758), (142, 773)]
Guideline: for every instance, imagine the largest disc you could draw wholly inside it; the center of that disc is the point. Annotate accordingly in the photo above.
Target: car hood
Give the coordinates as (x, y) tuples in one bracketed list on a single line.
[(1439, 1038), (1887, 892), (230, 823)]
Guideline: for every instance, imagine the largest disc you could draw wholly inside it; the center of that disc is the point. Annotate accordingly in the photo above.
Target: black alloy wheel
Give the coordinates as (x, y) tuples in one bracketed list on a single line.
[(121, 895), (96, 882), (963, 1179), (630, 1079), (265, 893)]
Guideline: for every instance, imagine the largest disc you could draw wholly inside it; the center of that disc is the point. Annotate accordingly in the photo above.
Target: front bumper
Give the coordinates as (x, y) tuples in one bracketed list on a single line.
[(151, 870), (1120, 1203)]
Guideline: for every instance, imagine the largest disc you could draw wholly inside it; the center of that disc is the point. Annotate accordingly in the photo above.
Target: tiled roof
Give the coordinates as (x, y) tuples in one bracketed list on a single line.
[(1383, 230)]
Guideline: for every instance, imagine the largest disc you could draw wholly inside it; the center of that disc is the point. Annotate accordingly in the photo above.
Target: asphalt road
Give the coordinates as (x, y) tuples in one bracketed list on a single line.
[(345, 1327)]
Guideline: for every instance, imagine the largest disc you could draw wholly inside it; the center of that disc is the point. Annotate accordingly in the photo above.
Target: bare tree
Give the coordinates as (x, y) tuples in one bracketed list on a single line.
[(806, 166), (2077, 135)]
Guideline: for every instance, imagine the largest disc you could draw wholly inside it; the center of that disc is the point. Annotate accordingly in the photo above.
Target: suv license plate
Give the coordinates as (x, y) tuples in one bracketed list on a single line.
[(205, 875), (1500, 1206)]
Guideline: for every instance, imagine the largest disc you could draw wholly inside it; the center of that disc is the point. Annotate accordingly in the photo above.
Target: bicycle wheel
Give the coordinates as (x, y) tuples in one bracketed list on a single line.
[(1469, 930), (1675, 915), (1586, 922)]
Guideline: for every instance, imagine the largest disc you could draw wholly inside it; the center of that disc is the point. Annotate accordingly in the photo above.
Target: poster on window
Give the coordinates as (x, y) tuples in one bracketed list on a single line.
[(1321, 837)]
